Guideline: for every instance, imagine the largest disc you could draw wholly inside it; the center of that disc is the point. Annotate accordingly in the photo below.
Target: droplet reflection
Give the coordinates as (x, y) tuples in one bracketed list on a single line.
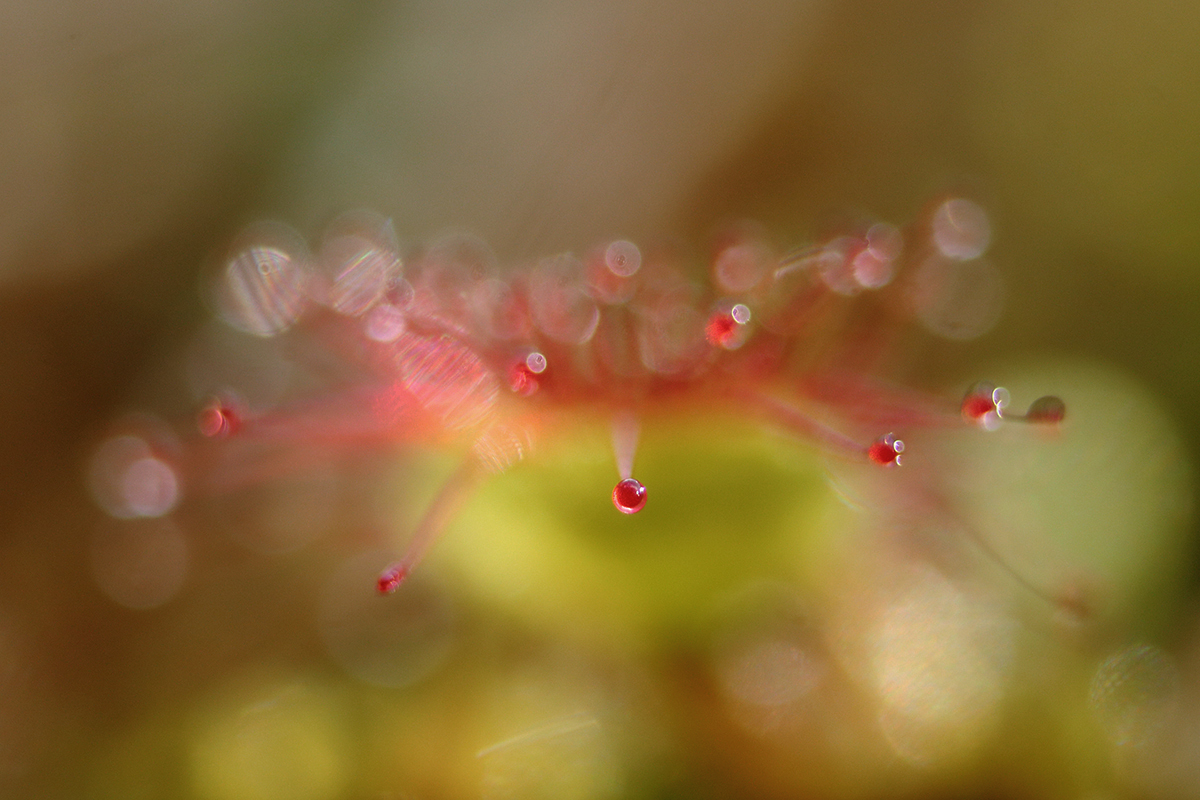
[(128, 480), (1134, 693), (263, 291), (961, 229), (286, 741), (448, 378), (957, 300), (623, 258), (940, 660), (768, 672), (139, 563), (565, 758)]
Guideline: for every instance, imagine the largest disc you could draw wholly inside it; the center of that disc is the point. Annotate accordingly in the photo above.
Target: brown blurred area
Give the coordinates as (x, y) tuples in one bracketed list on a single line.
[(137, 138)]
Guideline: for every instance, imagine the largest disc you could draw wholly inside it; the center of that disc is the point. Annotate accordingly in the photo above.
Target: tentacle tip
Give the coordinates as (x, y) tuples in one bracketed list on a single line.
[(390, 579), (886, 450), (218, 419), (984, 405)]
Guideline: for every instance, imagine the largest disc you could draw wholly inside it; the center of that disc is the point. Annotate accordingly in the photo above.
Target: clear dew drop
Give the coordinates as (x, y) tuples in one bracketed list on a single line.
[(536, 363), (129, 481), (629, 496), (623, 258), (961, 229), (263, 291)]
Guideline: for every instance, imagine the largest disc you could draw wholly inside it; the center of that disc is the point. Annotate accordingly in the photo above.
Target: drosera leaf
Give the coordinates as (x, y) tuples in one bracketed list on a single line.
[(729, 506)]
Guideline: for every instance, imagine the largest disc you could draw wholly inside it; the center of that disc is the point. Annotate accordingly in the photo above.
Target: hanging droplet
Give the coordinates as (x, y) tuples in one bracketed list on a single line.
[(886, 450), (629, 496), (1048, 409)]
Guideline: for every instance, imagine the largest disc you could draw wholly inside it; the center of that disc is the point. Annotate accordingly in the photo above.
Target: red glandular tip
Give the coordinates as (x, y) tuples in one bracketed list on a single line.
[(523, 375), (629, 496), (391, 578), (217, 419), (975, 406), (886, 450), (522, 380), (985, 404), (725, 328)]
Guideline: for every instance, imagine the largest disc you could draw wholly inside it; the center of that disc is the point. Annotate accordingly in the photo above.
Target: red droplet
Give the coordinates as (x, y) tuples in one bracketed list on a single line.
[(1048, 409), (886, 450), (391, 578), (217, 419), (629, 496)]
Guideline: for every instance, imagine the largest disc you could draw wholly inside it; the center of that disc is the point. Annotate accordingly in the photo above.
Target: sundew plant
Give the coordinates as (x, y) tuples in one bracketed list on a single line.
[(598, 400), (816, 546)]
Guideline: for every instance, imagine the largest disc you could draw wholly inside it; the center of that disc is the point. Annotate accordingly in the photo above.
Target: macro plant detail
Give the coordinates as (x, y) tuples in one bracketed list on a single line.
[(440, 347)]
